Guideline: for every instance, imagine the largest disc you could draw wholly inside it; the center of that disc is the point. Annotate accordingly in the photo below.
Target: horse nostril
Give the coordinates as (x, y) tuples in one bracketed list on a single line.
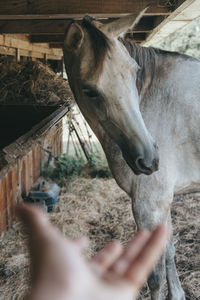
[(140, 164)]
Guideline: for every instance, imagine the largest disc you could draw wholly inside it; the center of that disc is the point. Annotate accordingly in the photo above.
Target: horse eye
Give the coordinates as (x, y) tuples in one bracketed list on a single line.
[(90, 93)]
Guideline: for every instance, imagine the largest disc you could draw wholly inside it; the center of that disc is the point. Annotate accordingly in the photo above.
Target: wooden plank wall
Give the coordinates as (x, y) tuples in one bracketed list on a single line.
[(20, 177), (19, 45)]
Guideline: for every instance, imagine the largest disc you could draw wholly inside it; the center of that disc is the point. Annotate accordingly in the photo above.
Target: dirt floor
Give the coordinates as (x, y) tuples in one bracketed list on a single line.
[(99, 209)]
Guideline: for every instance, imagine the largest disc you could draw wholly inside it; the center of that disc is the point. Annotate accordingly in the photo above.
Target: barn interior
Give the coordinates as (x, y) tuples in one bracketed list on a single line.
[(33, 32)]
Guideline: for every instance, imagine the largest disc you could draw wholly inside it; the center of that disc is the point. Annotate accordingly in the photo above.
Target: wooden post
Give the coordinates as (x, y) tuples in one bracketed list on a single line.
[(17, 54), (81, 143), (62, 65)]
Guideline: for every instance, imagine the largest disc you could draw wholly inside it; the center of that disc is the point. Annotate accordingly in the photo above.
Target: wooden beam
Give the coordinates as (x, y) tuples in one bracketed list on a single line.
[(32, 27), (38, 7), (75, 17), (56, 26)]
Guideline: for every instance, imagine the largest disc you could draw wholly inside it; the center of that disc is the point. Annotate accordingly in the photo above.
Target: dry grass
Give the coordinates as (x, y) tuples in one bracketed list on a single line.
[(186, 220), (31, 82), (94, 207), (99, 209)]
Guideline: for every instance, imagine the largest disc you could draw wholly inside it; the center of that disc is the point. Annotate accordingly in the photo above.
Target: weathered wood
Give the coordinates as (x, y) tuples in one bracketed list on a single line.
[(78, 7), (31, 54), (7, 51), (39, 130), (10, 44), (53, 57)]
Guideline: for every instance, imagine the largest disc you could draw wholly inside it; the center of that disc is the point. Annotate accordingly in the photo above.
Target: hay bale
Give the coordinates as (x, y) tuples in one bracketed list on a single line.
[(33, 83)]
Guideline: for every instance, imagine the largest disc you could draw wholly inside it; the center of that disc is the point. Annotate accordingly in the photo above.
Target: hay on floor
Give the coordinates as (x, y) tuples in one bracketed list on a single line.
[(99, 209)]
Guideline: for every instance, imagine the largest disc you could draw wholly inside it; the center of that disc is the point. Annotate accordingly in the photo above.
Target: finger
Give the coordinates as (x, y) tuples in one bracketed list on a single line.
[(82, 243), (130, 252), (55, 261), (105, 258), (43, 239), (143, 264), (36, 222), (32, 217)]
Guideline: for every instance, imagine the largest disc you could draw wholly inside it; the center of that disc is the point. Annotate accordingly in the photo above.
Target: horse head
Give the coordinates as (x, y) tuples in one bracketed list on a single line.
[(102, 76)]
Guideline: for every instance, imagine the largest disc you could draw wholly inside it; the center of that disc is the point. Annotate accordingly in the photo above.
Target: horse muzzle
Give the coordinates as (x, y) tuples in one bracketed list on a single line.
[(141, 165)]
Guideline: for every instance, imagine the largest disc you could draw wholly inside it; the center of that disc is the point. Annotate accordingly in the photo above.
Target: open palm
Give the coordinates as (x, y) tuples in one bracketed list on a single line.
[(60, 272)]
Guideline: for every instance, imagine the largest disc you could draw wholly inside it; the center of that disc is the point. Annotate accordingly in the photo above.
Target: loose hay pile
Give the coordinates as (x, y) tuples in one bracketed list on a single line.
[(99, 209), (31, 82)]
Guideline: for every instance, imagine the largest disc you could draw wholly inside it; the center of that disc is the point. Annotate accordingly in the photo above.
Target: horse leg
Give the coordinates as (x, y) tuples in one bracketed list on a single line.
[(151, 204), (157, 279), (151, 199), (175, 291)]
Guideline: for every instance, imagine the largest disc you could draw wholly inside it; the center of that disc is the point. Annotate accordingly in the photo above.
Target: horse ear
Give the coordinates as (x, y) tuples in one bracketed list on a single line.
[(74, 37), (121, 25)]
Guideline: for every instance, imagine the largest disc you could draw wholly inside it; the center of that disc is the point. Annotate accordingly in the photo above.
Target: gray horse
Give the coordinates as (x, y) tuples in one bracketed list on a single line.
[(122, 89)]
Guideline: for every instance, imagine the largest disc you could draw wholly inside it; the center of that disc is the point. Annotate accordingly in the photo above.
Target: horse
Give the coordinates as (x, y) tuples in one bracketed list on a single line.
[(143, 104)]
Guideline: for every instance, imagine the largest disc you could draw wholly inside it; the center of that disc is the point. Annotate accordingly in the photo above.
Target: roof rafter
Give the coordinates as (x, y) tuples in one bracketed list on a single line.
[(41, 27), (37, 7)]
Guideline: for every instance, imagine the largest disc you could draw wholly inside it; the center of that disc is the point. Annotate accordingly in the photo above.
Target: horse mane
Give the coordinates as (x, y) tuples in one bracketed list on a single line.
[(143, 56), (147, 59), (100, 43), (146, 55)]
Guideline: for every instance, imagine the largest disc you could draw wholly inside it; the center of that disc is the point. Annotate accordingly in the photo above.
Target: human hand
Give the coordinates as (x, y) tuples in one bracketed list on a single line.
[(59, 271)]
